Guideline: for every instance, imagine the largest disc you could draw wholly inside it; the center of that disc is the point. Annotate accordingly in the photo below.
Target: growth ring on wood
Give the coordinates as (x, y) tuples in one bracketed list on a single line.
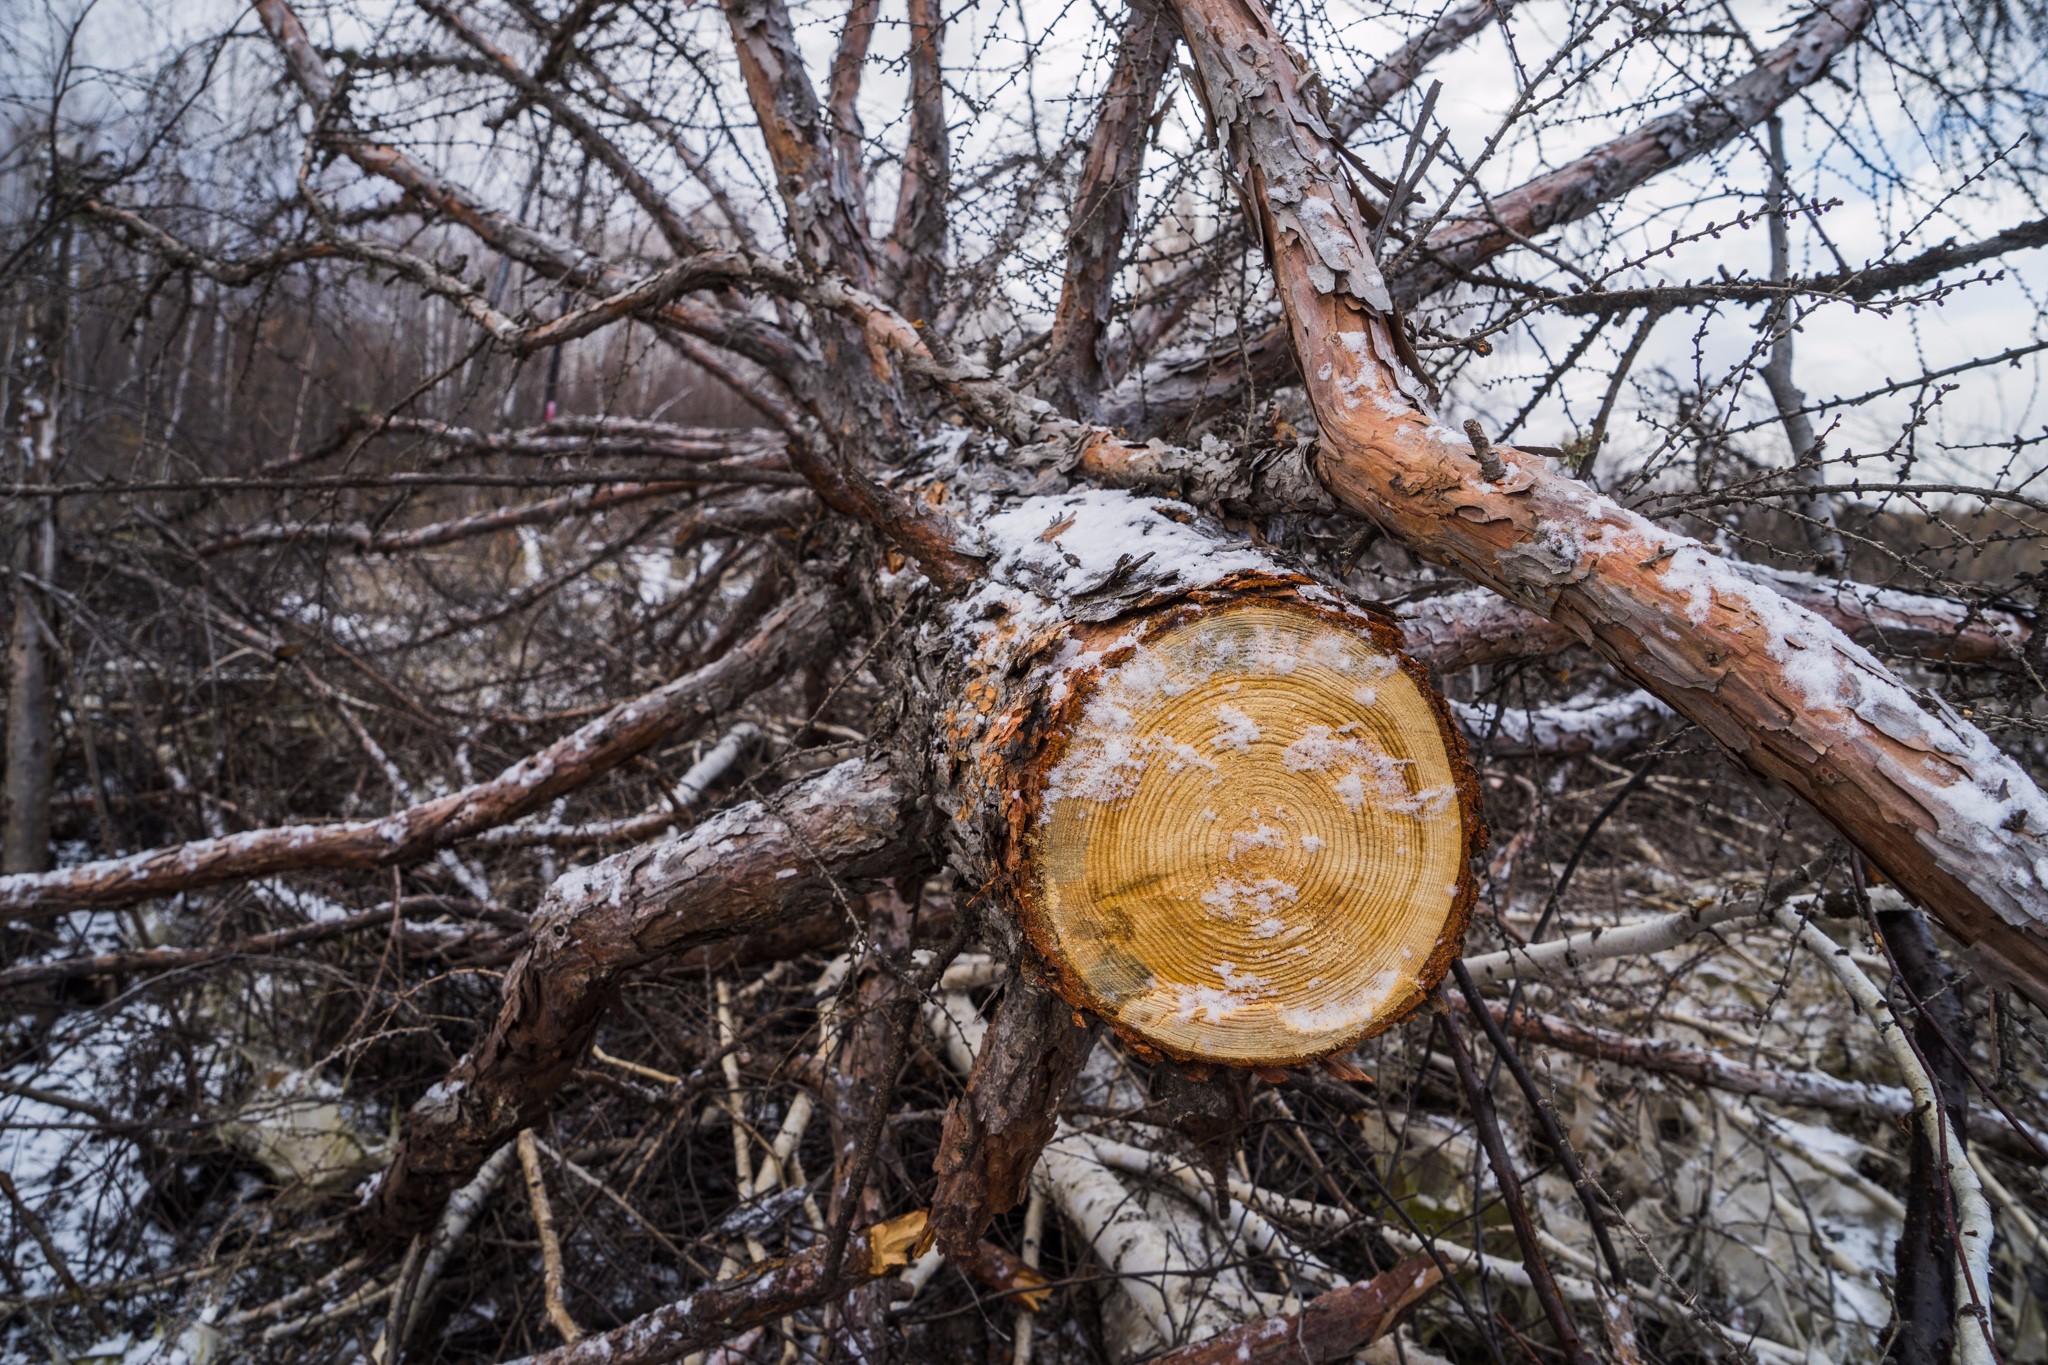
[(1252, 846)]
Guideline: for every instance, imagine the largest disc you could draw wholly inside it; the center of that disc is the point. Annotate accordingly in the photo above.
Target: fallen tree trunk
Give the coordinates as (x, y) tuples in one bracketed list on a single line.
[(1925, 795), (1217, 807)]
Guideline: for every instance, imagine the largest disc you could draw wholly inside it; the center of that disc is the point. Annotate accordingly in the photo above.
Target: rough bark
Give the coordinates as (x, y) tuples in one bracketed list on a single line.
[(843, 98), (1268, 360), (827, 222), (994, 1133), (1930, 800), (917, 243), (751, 867), (1330, 1327), (1924, 1260), (722, 1311), (1104, 205), (1474, 626), (793, 634)]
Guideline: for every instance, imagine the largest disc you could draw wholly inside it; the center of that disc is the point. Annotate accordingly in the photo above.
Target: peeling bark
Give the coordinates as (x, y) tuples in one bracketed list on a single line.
[(827, 223), (994, 1133), (1926, 796)]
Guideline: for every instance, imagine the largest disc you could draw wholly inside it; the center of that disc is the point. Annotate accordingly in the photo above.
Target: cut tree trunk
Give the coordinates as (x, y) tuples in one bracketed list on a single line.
[(1231, 818)]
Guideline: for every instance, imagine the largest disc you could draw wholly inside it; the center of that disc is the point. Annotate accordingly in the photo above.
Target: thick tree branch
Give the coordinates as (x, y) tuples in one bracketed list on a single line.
[(750, 867), (827, 223), (849, 165), (1365, 102), (1475, 626), (360, 537), (1104, 205), (1951, 820), (1033, 1049), (917, 243)]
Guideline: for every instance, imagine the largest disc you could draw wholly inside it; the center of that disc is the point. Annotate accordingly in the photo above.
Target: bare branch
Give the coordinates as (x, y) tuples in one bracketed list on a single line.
[(789, 636), (750, 867), (1104, 205)]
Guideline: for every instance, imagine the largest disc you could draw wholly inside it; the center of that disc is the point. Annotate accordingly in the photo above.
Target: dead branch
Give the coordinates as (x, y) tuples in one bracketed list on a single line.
[(994, 1133), (1801, 1089), (764, 1293), (1329, 1327), (1103, 208), (749, 867), (790, 635)]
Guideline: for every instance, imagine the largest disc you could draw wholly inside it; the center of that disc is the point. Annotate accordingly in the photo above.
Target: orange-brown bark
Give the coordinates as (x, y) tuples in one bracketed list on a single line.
[(1923, 793)]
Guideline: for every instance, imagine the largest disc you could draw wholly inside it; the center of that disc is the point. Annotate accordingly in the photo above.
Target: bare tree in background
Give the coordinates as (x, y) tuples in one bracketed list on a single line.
[(687, 682)]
